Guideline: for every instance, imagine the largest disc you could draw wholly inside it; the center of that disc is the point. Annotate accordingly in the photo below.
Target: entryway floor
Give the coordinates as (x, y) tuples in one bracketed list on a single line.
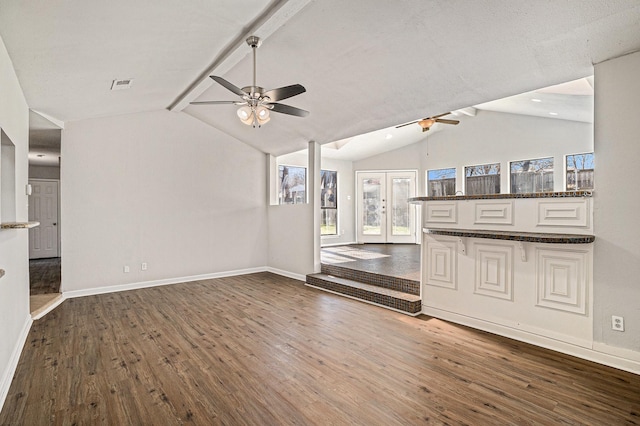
[(44, 284), (396, 260), (41, 302)]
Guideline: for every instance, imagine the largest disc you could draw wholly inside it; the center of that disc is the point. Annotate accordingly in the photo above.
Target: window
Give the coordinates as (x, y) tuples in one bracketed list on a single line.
[(293, 185), (329, 202), (441, 182), (483, 179), (529, 176), (580, 171)]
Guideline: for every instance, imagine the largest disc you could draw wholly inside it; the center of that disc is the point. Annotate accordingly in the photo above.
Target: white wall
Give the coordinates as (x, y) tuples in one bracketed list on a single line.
[(492, 137), (346, 201), (161, 188), (14, 250), (346, 193), (44, 172), (406, 158), (617, 203), (292, 233), (489, 137)]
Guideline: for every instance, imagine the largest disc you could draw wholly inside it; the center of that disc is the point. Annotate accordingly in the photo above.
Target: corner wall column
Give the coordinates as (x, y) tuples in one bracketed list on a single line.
[(314, 199)]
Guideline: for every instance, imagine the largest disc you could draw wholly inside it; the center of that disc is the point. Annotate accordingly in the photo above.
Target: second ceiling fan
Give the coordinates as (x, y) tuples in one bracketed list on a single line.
[(256, 103), (426, 123)]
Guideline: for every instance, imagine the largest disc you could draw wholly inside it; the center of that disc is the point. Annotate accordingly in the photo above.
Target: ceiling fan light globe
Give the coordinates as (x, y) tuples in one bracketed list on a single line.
[(426, 123), (262, 112), (244, 112), (246, 115), (262, 115)]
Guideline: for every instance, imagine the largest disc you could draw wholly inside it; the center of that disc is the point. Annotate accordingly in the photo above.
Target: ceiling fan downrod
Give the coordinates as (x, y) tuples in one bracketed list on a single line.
[(254, 43)]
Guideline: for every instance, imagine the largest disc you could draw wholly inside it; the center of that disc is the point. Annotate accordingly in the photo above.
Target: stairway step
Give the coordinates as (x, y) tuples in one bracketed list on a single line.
[(400, 301), (403, 285)]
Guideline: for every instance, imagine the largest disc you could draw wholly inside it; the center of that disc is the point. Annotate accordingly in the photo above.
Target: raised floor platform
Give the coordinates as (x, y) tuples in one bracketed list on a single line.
[(386, 275)]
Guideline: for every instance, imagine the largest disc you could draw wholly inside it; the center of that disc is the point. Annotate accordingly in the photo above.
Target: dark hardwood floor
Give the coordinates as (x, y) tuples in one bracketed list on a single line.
[(44, 276), (265, 350)]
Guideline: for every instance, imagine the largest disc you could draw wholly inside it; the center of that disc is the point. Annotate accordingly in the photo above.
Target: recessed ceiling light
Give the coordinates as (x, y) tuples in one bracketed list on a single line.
[(553, 113), (536, 100), (389, 136)]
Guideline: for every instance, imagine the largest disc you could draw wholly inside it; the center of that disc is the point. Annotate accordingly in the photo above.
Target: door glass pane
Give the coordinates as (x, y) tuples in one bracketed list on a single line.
[(400, 207), (371, 202)]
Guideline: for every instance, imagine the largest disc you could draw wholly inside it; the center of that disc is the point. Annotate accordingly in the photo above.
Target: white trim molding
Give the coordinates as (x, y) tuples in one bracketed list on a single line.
[(7, 377), (146, 284), (597, 352), (287, 274)]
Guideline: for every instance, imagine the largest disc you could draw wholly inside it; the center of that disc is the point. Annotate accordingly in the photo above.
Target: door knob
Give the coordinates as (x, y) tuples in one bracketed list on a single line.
[(54, 224)]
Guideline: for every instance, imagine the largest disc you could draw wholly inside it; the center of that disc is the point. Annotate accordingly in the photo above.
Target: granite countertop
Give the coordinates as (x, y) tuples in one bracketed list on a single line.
[(562, 194), (18, 225), (531, 237)]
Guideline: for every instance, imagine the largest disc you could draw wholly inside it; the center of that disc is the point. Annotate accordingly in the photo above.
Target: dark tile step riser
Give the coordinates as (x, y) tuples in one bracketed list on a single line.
[(385, 281), (380, 299)]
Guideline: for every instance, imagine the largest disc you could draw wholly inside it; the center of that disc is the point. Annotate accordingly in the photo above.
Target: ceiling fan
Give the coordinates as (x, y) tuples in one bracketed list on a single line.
[(257, 103), (426, 123)]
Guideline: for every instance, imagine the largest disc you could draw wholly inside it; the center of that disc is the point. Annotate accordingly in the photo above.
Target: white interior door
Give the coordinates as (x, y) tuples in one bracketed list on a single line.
[(384, 215), (43, 208)]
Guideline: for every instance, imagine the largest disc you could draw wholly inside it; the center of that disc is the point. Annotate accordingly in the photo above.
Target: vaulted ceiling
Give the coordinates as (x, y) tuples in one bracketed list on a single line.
[(366, 64)]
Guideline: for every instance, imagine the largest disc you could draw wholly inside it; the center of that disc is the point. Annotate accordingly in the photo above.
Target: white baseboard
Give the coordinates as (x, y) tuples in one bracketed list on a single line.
[(7, 376), (616, 357), (287, 274), (156, 283)]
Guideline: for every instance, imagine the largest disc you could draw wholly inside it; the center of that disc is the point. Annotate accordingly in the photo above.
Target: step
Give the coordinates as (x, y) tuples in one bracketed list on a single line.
[(403, 285), (393, 299)]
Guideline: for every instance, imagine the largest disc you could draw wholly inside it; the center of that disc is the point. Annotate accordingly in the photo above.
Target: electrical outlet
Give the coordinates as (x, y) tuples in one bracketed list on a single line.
[(143, 266), (617, 323), (125, 269)]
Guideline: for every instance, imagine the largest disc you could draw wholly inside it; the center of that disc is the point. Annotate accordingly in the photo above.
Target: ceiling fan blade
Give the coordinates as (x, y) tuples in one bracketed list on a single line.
[(408, 124), (218, 103), (229, 86), (286, 92), (442, 120), (286, 109), (440, 115)]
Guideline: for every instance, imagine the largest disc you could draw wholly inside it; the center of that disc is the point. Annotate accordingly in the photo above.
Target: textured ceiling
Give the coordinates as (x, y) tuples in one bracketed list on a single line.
[(366, 65)]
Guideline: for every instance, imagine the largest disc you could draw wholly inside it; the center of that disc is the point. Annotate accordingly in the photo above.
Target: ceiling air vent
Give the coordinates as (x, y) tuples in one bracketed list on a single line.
[(121, 84)]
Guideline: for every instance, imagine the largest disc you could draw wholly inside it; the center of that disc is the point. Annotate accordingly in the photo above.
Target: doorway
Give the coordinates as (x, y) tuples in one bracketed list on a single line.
[(43, 208), (45, 269), (383, 212)]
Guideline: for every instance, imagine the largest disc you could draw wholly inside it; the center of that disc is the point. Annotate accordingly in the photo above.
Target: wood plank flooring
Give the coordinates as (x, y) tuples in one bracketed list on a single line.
[(44, 276), (263, 349)]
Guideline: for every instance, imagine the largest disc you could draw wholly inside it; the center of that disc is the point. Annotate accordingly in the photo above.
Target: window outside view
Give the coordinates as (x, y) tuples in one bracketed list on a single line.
[(529, 176), (482, 179), (580, 171), (329, 202), (441, 182), (293, 185), (371, 196), (400, 204)]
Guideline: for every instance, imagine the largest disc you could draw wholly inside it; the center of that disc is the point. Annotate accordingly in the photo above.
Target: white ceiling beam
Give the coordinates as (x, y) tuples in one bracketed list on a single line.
[(470, 111), (55, 121), (265, 25)]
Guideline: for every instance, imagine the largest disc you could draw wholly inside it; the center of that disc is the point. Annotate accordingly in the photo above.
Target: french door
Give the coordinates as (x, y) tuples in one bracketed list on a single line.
[(383, 213)]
